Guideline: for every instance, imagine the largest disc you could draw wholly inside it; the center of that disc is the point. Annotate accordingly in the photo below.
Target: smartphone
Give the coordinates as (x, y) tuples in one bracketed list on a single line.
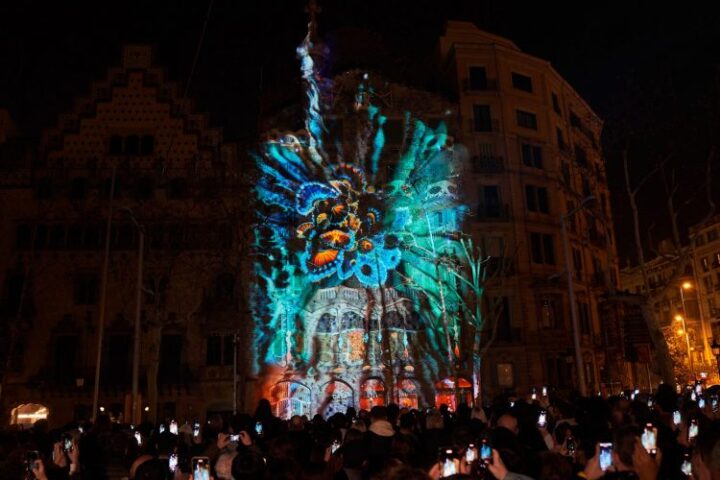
[(161, 428), (67, 441), (649, 439), (701, 402), (650, 402), (571, 445), (201, 468), (235, 438), (544, 392), (698, 388), (31, 458), (686, 467), (534, 394), (174, 427), (512, 404), (259, 429), (677, 418), (80, 429), (692, 430), (606, 456), (714, 403), (471, 453), (196, 429), (693, 396), (172, 462), (335, 445), (448, 466), (542, 419), (486, 452), (138, 437)]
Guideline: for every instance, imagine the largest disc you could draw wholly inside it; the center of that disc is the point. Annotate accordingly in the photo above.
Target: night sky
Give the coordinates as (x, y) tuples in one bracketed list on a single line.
[(652, 72)]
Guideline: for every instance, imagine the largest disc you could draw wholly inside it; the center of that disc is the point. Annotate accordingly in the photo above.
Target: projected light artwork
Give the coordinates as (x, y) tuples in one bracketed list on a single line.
[(355, 303)]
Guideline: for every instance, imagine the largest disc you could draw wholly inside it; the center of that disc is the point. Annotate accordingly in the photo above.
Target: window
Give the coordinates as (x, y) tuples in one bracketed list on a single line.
[(531, 155), (581, 156), (584, 311), (700, 240), (220, 350), (78, 188), (575, 120), (577, 262), (489, 202), (145, 188), (23, 237), (13, 291), (542, 248), (482, 121), (712, 235), (522, 82), (132, 145), (478, 78), (505, 375), (526, 119), (556, 103), (705, 264), (177, 188), (565, 169), (560, 139), (86, 289), (56, 240), (708, 281), (505, 331), (147, 144), (537, 199), (587, 190), (550, 312)]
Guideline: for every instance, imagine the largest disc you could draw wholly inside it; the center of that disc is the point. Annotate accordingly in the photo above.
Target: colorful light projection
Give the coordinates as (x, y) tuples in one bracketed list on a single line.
[(352, 249)]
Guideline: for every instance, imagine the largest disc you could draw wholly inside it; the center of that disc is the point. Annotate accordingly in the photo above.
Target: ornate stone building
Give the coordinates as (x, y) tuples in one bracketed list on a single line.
[(171, 177)]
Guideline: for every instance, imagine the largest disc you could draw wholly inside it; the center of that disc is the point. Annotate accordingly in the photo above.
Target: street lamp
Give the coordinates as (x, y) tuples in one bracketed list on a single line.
[(571, 293)]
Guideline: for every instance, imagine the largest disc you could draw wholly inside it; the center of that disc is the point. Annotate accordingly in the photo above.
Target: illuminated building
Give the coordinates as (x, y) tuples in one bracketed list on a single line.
[(535, 154)]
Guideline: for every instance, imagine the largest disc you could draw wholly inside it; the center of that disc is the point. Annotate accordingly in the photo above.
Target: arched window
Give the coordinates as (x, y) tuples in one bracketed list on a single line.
[(372, 393), (342, 397), (446, 392), (290, 398), (408, 393), (132, 145), (28, 414)]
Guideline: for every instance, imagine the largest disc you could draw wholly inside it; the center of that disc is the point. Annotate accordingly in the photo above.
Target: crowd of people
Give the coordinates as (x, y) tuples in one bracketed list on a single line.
[(665, 435)]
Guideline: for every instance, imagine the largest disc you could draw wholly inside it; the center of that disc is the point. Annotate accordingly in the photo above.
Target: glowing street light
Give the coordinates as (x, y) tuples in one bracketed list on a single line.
[(678, 318), (680, 331), (686, 285)]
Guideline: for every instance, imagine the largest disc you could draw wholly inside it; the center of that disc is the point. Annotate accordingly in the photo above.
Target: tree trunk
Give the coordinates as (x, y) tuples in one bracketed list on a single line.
[(662, 353)]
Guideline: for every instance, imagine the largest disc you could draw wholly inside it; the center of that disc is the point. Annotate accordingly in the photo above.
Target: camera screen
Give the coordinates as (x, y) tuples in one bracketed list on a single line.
[(449, 468), (693, 430), (485, 451), (677, 418), (172, 462), (686, 467), (471, 453), (201, 468), (605, 456), (259, 428), (649, 439)]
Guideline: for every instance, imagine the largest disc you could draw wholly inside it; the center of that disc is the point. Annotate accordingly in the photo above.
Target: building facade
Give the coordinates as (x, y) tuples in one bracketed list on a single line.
[(134, 138), (535, 155)]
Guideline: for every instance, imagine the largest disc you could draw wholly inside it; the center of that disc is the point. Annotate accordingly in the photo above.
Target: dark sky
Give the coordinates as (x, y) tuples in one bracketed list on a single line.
[(650, 71)]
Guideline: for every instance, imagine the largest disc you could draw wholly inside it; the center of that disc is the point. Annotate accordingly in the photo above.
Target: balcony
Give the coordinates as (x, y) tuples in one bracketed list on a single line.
[(488, 164), (493, 213), (487, 85)]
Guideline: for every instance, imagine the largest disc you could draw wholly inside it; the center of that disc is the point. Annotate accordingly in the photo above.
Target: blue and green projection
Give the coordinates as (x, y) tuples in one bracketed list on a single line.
[(353, 303)]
